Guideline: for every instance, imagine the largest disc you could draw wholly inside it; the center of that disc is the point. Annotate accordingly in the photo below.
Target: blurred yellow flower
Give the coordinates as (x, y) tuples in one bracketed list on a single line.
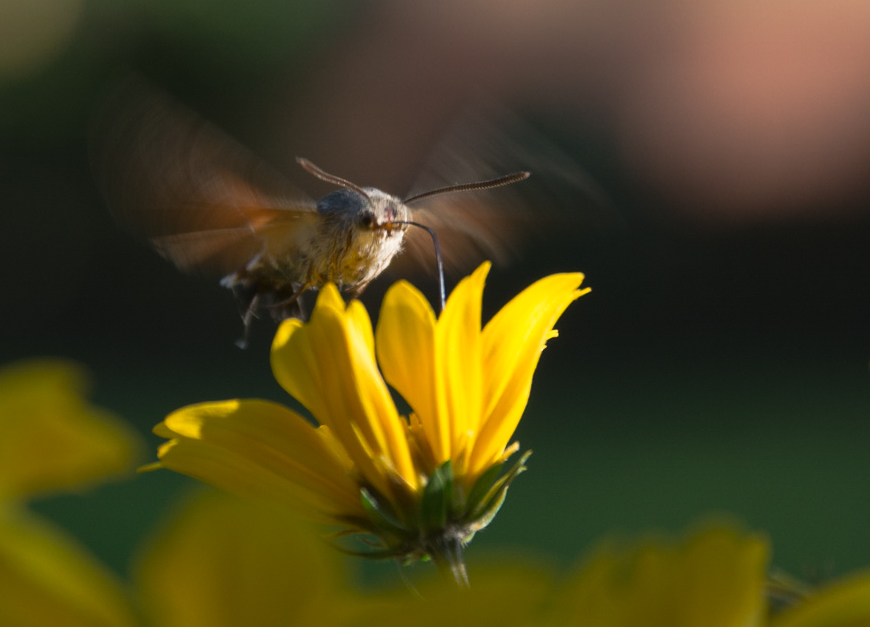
[(421, 485), (48, 578), (842, 603), (52, 440), (222, 561), (714, 578), (226, 562), (507, 592)]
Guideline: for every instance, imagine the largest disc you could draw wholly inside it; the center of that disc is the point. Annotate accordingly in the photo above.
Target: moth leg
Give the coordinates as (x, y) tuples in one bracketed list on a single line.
[(247, 318), (290, 307), (358, 289), (300, 312)]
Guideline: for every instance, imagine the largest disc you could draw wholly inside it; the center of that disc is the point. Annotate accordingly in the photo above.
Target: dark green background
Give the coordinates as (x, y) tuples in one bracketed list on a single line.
[(711, 371)]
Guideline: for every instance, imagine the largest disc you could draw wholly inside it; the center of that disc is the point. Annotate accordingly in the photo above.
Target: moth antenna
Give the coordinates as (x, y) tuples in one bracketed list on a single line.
[(465, 187), (330, 178), (438, 260)]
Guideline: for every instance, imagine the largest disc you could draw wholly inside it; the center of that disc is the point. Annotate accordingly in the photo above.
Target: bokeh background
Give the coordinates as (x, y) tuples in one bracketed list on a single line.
[(720, 364)]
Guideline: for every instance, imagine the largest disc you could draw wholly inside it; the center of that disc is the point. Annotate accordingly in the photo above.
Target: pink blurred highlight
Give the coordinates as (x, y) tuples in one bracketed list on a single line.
[(728, 110)]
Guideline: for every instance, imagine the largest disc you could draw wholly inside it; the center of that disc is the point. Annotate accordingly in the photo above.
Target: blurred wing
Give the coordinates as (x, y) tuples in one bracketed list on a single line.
[(471, 226), (204, 201)]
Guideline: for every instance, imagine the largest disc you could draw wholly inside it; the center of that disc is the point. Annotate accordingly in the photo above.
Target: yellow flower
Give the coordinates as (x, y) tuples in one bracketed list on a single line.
[(222, 561), (842, 603), (507, 592), (714, 578), (52, 440), (47, 578), (422, 485)]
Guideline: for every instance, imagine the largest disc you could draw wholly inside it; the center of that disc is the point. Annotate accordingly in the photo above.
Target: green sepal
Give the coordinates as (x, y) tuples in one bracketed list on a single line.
[(482, 487), (373, 553), (383, 521), (437, 503), (446, 552), (488, 506)]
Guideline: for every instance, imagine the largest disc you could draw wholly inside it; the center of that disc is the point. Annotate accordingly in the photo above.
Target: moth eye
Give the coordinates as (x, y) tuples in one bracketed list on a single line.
[(367, 220)]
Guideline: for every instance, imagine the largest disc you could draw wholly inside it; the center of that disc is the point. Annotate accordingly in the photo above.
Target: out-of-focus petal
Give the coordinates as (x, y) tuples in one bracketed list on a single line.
[(844, 603), (48, 579), (225, 562), (714, 579), (505, 594), (51, 439)]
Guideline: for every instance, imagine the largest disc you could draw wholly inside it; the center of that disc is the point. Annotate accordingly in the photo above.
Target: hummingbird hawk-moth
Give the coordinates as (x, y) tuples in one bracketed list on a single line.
[(207, 204)]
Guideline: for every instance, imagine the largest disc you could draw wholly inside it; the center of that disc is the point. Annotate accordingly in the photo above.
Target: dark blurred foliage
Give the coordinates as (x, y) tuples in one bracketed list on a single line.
[(720, 362)]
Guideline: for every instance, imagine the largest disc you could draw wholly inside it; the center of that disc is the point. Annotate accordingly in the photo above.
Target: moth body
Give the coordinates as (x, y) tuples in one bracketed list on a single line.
[(210, 206), (350, 244)]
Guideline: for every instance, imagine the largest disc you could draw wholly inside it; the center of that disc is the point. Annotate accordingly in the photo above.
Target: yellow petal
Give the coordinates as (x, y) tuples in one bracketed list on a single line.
[(242, 477), (458, 365), (512, 344), (330, 298), (258, 448), (406, 352), (714, 579), (225, 562), (50, 438), (46, 578), (329, 366), (844, 603), (358, 319)]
